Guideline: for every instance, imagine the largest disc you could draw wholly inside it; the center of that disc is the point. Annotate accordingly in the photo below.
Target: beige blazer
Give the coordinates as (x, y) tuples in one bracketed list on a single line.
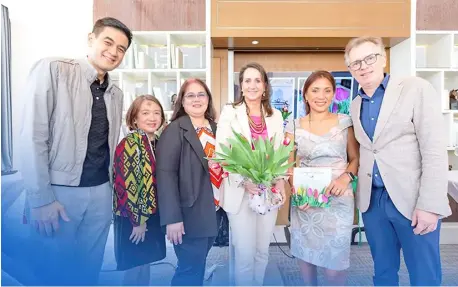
[(236, 118), (410, 148)]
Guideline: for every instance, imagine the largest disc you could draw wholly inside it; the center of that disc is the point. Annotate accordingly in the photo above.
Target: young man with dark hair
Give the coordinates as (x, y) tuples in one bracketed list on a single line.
[(71, 124)]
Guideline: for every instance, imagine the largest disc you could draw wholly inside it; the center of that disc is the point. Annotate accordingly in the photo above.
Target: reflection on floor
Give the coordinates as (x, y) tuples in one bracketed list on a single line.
[(281, 269)]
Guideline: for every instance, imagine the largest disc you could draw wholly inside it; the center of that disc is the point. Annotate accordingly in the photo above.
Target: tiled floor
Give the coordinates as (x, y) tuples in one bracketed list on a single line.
[(282, 270), (361, 268)]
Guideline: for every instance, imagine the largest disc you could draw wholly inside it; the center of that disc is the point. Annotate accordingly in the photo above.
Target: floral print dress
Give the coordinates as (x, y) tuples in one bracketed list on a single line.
[(322, 236)]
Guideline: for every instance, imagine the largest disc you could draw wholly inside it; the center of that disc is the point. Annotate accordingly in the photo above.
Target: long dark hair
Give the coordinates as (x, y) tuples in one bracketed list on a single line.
[(265, 100), (179, 111), (311, 79)]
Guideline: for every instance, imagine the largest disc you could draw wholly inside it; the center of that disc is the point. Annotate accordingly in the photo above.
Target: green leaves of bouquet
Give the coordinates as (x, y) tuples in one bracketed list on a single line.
[(285, 113), (257, 160)]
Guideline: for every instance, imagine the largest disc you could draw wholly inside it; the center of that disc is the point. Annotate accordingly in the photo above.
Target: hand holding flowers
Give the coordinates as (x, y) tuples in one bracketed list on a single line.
[(261, 164), (251, 188), (280, 187)]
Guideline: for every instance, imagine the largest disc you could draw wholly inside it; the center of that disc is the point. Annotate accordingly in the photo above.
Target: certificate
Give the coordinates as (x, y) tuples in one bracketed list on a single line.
[(309, 186)]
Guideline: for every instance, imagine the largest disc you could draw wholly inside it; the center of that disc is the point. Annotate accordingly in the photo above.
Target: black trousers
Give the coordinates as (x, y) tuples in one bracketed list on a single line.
[(223, 229), (192, 256)]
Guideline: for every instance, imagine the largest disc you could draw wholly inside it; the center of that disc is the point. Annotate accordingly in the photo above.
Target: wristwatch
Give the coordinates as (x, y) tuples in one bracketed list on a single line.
[(351, 175)]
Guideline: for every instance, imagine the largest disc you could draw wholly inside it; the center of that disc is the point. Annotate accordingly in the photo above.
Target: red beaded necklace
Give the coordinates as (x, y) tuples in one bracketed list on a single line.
[(257, 128)]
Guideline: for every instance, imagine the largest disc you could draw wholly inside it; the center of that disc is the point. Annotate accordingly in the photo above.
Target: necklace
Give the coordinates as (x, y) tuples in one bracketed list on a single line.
[(257, 128), (320, 121), (203, 124), (152, 145)]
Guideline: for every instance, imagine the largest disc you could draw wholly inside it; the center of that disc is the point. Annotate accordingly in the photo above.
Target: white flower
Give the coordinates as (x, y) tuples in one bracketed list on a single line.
[(320, 198)]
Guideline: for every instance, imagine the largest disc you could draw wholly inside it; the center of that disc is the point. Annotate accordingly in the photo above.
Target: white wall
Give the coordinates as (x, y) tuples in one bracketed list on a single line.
[(402, 59), (43, 28)]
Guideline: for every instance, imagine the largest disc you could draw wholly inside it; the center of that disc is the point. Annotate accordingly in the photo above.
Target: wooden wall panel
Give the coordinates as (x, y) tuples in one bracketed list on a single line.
[(154, 15), (310, 18), (437, 15), (292, 43), (216, 83), (219, 78), (299, 61)]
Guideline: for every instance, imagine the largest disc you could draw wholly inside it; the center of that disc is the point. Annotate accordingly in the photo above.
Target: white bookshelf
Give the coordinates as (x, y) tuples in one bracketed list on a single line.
[(157, 63), (436, 60)]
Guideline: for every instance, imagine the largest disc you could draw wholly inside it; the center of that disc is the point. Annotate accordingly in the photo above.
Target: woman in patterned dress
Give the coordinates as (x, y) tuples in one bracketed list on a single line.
[(188, 186), (139, 239), (321, 237)]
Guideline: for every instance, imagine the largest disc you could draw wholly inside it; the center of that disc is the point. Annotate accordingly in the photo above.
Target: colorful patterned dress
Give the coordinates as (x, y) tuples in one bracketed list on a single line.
[(135, 202)]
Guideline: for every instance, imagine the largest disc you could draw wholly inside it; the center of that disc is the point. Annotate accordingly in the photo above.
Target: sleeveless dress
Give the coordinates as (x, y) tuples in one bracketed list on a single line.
[(322, 236)]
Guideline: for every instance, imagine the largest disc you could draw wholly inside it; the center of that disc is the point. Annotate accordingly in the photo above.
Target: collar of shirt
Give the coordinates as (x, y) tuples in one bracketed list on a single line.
[(91, 73), (382, 87), (103, 85)]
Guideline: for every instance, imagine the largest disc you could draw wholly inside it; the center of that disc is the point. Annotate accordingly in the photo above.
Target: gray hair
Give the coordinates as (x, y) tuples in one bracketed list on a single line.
[(355, 42)]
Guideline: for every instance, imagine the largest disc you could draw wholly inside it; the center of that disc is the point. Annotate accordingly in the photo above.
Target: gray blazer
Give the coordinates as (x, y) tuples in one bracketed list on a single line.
[(185, 193), (409, 146)]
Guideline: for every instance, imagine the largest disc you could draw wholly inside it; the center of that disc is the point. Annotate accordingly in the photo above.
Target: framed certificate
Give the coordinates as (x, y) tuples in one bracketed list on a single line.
[(310, 185)]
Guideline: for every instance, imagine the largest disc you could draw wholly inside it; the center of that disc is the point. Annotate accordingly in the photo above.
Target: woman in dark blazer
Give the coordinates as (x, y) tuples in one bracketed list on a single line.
[(188, 188)]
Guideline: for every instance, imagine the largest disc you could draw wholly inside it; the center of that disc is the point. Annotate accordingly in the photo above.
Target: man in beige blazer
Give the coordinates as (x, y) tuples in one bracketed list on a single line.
[(402, 190)]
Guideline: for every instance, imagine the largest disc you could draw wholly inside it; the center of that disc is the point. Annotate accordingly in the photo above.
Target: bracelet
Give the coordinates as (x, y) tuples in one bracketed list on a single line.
[(351, 175)]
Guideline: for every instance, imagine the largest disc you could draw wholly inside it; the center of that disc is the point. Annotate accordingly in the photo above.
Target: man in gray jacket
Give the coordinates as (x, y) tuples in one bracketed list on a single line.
[(71, 124)]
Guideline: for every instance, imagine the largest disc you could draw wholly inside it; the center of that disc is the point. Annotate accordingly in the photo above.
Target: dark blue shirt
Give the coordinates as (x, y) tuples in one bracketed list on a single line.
[(96, 165), (370, 109)]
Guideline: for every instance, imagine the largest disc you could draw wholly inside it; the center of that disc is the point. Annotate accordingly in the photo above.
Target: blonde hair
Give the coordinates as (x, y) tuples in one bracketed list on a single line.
[(355, 42)]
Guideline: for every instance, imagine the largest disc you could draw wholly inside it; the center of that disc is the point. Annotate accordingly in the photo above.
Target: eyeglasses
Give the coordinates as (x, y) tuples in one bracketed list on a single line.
[(199, 96), (369, 60)]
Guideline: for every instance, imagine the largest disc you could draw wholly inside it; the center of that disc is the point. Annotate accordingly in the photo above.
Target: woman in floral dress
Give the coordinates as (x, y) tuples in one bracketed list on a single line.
[(320, 237)]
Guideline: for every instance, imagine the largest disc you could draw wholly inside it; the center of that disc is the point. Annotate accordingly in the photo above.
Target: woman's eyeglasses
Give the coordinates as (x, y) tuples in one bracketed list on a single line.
[(190, 96)]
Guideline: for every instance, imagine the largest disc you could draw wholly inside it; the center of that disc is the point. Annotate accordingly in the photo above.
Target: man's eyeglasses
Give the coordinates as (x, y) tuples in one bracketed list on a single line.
[(369, 60)]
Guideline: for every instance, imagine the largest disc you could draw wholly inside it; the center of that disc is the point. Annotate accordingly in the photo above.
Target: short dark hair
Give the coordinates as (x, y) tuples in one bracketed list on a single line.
[(179, 111), (134, 109), (265, 100), (113, 23)]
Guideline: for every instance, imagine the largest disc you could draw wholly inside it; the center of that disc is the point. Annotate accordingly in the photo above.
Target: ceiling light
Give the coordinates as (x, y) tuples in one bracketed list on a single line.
[(255, 42)]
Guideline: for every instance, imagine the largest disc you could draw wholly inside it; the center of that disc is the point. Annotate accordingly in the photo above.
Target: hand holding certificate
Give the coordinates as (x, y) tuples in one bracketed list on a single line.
[(310, 185)]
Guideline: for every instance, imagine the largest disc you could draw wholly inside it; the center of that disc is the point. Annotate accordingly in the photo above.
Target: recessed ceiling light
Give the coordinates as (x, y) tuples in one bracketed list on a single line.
[(255, 42)]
